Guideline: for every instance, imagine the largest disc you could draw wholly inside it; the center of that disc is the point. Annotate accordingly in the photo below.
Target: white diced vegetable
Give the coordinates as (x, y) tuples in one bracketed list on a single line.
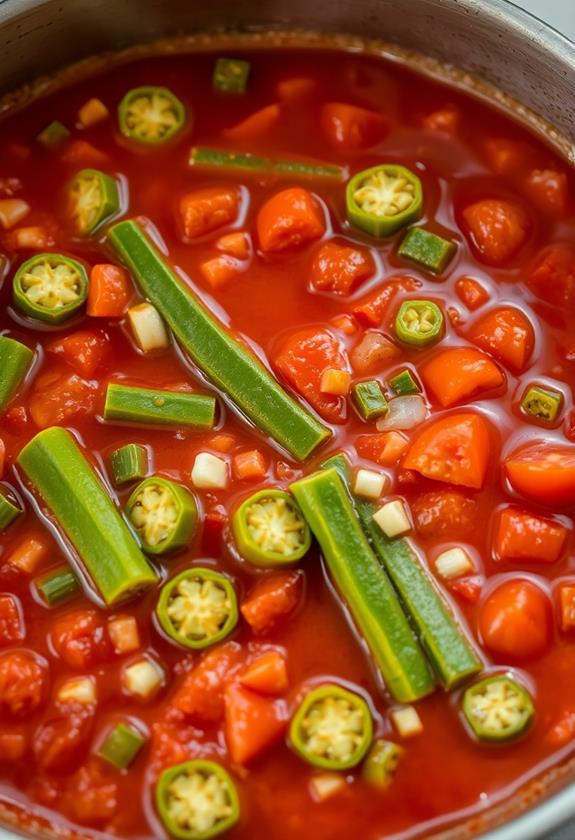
[(407, 722), (404, 413), (209, 472), (12, 211), (93, 111), (369, 484), (143, 678), (392, 518), (80, 690), (148, 327), (326, 785), (453, 563), (124, 634)]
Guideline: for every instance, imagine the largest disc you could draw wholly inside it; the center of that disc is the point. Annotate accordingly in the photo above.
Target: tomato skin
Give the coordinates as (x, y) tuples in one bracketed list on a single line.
[(543, 472), (507, 334), (81, 639), (349, 128), (288, 220), (23, 682), (459, 373), (61, 742), (497, 229), (339, 267), (515, 620)]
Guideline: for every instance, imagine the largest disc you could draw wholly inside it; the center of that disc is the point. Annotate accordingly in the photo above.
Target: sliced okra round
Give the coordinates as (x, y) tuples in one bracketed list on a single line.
[(151, 115), (498, 709), (50, 287), (419, 323), (270, 530), (332, 728), (383, 199), (198, 607), (93, 199), (381, 762), (197, 800), (163, 513)]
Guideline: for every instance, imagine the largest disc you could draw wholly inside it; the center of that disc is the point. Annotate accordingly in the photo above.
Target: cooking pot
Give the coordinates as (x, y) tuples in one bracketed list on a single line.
[(503, 54)]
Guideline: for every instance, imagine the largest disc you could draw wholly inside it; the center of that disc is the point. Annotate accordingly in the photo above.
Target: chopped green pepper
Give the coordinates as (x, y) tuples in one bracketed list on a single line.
[(53, 135), (419, 323), (427, 249), (15, 362), (198, 607), (151, 115), (127, 404), (269, 529), (9, 509), (381, 763), (369, 399), (121, 746), (57, 586), (93, 199), (231, 75), (332, 728), (383, 199), (163, 513), (50, 287), (129, 463), (404, 384), (245, 162), (497, 709), (541, 403), (85, 513), (228, 363), (197, 800)]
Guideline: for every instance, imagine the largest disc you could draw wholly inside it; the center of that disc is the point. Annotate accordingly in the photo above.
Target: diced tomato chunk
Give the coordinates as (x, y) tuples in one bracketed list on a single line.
[(562, 730), (447, 514), (201, 694), (219, 271), (372, 352), (340, 267), (349, 128), (266, 674), (370, 312), (524, 537), (210, 208), (385, 448), (13, 745), (236, 244), (16, 419), (91, 795), (515, 620), (11, 620), (272, 600), (83, 351), (296, 88), (288, 220), (173, 743), (567, 607), (506, 156), (444, 120), (471, 292), (27, 556), (33, 238), (252, 723), (23, 682), (552, 277), (543, 472), (256, 126), (497, 229), (468, 589), (249, 466), (59, 396), (61, 742), (459, 373), (507, 334), (110, 291), (547, 189), (454, 449), (81, 639), (214, 521), (302, 361), (81, 153)]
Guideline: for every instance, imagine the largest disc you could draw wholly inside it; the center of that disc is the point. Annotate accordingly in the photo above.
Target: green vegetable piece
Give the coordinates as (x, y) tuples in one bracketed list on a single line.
[(381, 763), (151, 115), (332, 728), (231, 75), (197, 800), (68, 485), (363, 584), (369, 399), (163, 513), (53, 135), (93, 199), (498, 709), (419, 323), (198, 608), (57, 586), (9, 509), (269, 529), (204, 158), (541, 403), (383, 199), (227, 362), (15, 362), (427, 249), (50, 287), (158, 408), (404, 384), (121, 746), (129, 463), (307, 169)]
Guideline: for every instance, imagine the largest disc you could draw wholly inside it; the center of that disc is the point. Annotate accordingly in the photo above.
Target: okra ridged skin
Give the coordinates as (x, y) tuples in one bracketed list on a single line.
[(15, 362), (364, 585), (67, 484), (227, 363), (126, 404)]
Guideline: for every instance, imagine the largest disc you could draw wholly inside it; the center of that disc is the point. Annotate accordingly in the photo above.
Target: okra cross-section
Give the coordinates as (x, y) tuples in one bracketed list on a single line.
[(363, 584), (15, 362), (93, 199), (163, 513), (153, 407), (269, 529), (84, 512), (227, 362), (498, 709), (50, 287)]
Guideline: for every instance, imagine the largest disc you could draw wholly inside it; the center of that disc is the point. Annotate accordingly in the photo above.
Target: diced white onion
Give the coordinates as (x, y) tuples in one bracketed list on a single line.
[(143, 678), (404, 413), (12, 211), (80, 690), (369, 484), (407, 722), (392, 518), (209, 472), (326, 785), (453, 563), (124, 634), (148, 327)]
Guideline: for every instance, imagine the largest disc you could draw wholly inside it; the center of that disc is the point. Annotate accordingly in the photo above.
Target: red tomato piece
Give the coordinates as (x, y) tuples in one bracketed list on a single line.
[(214, 521), (23, 682), (256, 126), (252, 723), (61, 742), (524, 537), (13, 745), (454, 449), (302, 361), (266, 674), (110, 291), (373, 351), (543, 472), (515, 620), (567, 607), (443, 121), (385, 448), (173, 743), (59, 396), (288, 220), (552, 277), (371, 311), (249, 466), (349, 128), (205, 210), (16, 419), (81, 639), (497, 229), (81, 153), (507, 334), (11, 620), (468, 589), (201, 694), (547, 189), (220, 271), (444, 514), (83, 351), (506, 156), (272, 600), (471, 292), (91, 796), (459, 373), (562, 730), (340, 267)]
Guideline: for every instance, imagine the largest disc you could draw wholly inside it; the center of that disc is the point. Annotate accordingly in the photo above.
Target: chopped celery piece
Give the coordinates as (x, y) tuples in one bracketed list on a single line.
[(129, 463), (427, 249), (404, 384), (121, 746), (369, 399), (231, 75)]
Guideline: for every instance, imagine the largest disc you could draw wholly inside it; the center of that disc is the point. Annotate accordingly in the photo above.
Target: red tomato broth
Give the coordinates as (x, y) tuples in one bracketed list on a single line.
[(269, 301)]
